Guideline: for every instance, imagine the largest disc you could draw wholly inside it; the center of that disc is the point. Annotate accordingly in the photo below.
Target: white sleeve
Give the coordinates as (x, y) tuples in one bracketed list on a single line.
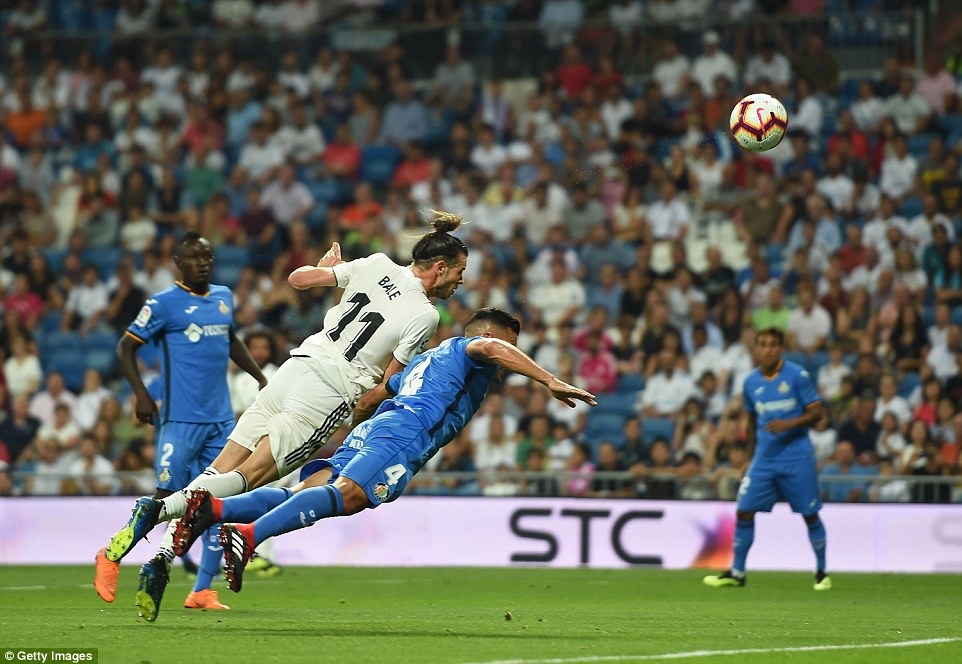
[(415, 334), (344, 272)]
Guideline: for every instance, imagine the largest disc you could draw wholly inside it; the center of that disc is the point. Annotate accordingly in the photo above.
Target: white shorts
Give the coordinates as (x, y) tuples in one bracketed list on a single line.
[(297, 410)]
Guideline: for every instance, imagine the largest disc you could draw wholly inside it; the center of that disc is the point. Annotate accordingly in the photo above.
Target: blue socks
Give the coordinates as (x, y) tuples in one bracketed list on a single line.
[(209, 559), (302, 510), (817, 536), (744, 536), (248, 506)]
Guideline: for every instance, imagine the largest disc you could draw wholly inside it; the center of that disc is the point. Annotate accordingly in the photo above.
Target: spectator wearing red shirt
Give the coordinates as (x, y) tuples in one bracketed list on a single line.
[(852, 252), (27, 120), (574, 74), (24, 301), (606, 77), (597, 367), (859, 144), (200, 128), (415, 167), (363, 206), (342, 158)]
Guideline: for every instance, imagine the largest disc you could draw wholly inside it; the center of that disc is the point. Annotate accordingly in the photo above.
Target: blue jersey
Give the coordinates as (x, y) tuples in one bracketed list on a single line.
[(444, 388), (781, 397), (192, 335)]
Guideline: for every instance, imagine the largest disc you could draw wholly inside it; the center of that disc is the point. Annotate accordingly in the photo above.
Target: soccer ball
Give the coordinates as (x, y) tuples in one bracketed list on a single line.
[(758, 122)]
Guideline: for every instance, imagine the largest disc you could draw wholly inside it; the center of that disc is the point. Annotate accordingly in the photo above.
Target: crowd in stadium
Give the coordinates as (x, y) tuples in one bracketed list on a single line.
[(612, 213)]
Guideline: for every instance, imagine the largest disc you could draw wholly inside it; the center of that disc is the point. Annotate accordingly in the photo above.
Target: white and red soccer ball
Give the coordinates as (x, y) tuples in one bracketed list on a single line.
[(759, 122)]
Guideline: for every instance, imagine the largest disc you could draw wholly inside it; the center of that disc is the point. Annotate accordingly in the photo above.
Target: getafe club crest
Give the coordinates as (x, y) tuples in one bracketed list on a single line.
[(165, 475), (381, 492), (223, 308), (783, 388)]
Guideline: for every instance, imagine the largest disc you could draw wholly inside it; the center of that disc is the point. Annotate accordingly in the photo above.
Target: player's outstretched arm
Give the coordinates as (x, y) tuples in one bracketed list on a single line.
[(505, 355), (242, 357), (145, 408), (371, 399), (322, 274)]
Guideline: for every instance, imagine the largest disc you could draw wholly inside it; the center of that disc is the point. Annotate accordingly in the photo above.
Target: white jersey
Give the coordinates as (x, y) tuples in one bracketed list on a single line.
[(383, 310)]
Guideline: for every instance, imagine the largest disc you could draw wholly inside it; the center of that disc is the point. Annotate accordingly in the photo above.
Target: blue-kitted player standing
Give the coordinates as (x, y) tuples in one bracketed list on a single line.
[(192, 325), (782, 403), (433, 399)]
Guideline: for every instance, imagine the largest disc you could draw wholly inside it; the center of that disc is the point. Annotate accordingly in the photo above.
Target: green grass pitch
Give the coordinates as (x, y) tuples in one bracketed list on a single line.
[(460, 616)]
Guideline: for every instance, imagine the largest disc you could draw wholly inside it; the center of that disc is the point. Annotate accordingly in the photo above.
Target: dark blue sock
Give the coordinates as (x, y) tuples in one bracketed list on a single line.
[(248, 506), (817, 536), (304, 509), (209, 559), (744, 536)]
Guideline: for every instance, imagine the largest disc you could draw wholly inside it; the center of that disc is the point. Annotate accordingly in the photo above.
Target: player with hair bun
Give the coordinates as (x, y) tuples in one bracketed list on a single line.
[(384, 318)]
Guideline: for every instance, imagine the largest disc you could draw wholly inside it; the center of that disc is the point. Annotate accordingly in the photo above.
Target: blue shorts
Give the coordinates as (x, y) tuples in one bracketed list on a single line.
[(767, 482), (381, 455), (185, 449)]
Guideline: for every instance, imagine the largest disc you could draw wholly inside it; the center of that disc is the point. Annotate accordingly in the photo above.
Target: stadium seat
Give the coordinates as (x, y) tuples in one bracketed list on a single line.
[(797, 357), (604, 425), (911, 207), (378, 163), (658, 427), (105, 258), (101, 340), (630, 383), (329, 191), (71, 362), (101, 359), (619, 403), (227, 274), (232, 255), (956, 316), (919, 144), (50, 322), (818, 360), (908, 383), (57, 339)]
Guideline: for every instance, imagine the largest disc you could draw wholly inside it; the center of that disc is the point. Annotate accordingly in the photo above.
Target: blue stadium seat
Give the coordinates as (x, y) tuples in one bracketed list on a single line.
[(630, 383), (227, 274), (101, 359), (952, 125), (919, 144), (231, 255), (57, 339), (956, 316), (101, 340), (105, 258), (658, 427), (378, 163), (908, 383), (54, 256), (818, 360), (329, 191), (317, 217), (797, 357), (911, 207), (50, 322), (71, 362), (604, 425), (618, 403)]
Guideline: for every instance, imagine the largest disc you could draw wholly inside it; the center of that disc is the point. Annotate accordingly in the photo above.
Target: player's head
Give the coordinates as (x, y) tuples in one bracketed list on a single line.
[(440, 258), (491, 322), (195, 260), (768, 348)]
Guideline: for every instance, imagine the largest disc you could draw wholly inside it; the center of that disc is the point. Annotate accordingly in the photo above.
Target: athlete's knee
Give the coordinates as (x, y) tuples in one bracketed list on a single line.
[(353, 496), (745, 516), (811, 519), (320, 478)]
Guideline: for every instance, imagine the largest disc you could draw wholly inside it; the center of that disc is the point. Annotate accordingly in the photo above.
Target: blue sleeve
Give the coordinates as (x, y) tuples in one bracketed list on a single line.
[(747, 397), (394, 383), (150, 322), (805, 386), (477, 364)]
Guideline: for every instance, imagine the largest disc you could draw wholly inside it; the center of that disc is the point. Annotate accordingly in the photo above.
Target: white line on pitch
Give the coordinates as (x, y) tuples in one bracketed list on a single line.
[(601, 659)]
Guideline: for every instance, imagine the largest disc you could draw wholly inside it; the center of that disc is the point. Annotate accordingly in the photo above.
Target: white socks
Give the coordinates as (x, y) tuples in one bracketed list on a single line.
[(174, 505), (224, 485)]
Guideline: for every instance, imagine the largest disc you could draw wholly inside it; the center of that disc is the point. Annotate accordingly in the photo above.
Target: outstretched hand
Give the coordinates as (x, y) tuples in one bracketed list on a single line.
[(332, 257), (567, 394)]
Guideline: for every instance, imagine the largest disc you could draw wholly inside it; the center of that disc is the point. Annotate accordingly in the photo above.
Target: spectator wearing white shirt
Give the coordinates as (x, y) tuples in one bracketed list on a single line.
[(87, 408), (22, 369), (868, 110), (808, 110), (704, 357), (939, 329), (830, 375), (907, 108), (668, 389), (90, 474), (47, 476), (269, 16), (290, 77), (301, 141), (945, 358), (260, 156), (286, 198), (64, 428), (835, 185), (454, 76), (671, 72), (890, 401), (86, 303), (898, 170), (668, 217), (875, 231), (713, 63), (244, 387), (495, 447), (164, 74), (769, 65), (135, 18), (809, 324), (232, 14), (918, 231), (487, 155), (42, 404), (615, 109), (540, 213), (562, 300)]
